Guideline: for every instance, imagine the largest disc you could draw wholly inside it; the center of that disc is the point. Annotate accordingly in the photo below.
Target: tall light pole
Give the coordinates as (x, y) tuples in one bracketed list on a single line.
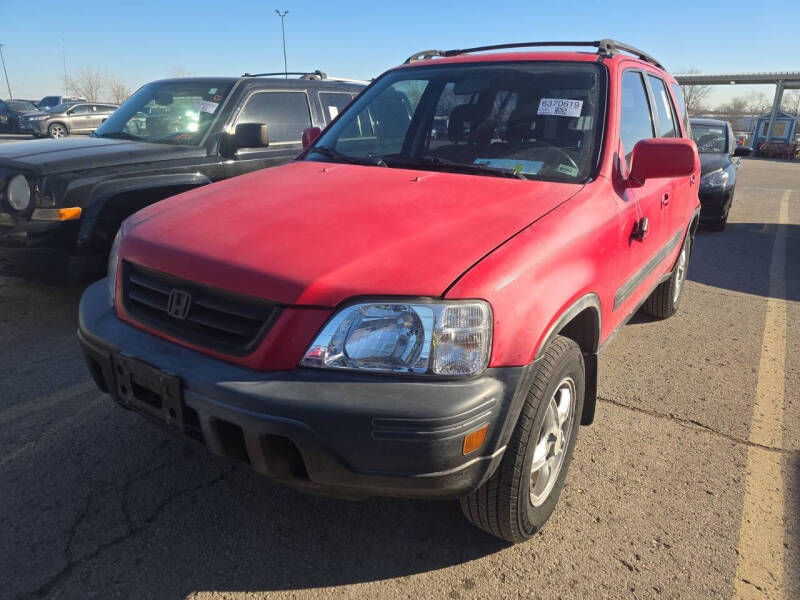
[(64, 58), (282, 15), (8, 85)]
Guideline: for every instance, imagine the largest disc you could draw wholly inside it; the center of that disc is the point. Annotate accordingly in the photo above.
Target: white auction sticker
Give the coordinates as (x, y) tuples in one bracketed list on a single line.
[(560, 107), (205, 106)]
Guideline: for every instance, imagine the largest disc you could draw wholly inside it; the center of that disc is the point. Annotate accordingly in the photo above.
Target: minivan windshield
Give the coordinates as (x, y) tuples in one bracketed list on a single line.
[(168, 112), (531, 120)]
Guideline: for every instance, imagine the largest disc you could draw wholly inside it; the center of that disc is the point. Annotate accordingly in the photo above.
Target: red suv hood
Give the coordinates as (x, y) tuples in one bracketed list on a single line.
[(311, 233)]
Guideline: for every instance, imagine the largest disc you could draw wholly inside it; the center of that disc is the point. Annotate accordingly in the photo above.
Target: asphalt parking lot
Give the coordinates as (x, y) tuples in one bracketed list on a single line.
[(687, 486)]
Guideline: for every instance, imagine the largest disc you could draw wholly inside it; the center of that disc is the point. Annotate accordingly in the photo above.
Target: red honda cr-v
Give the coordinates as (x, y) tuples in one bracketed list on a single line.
[(414, 306)]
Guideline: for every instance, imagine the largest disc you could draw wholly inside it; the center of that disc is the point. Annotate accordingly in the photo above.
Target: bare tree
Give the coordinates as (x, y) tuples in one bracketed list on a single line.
[(178, 72), (791, 102), (759, 103), (695, 95), (736, 108), (87, 83), (118, 91)]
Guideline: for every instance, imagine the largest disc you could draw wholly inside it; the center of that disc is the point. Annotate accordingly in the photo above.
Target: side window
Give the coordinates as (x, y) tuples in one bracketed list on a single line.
[(636, 123), (333, 103), (676, 89), (666, 115), (286, 114), (80, 109)]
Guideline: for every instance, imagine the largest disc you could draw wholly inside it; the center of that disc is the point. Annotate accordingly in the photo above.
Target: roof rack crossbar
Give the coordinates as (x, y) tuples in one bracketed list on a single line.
[(303, 74), (605, 47), (313, 75)]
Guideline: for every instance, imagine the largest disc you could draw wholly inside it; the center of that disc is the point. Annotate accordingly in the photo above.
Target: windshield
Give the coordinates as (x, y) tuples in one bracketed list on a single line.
[(48, 101), (168, 112), (710, 139), (19, 106), (528, 120)]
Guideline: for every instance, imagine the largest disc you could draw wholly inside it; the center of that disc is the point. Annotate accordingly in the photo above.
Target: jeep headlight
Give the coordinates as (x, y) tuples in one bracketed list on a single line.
[(113, 266), (18, 193), (433, 338), (714, 179)]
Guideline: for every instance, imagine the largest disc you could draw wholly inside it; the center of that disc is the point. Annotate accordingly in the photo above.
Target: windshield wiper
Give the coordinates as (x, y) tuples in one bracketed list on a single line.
[(120, 135), (449, 165), (355, 160)]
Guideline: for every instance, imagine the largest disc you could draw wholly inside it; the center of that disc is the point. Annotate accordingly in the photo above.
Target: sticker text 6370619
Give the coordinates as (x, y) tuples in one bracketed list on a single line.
[(560, 107)]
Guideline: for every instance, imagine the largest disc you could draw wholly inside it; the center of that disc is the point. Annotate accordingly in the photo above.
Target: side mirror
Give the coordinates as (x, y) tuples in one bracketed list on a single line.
[(743, 151), (246, 135), (657, 158), (310, 135)]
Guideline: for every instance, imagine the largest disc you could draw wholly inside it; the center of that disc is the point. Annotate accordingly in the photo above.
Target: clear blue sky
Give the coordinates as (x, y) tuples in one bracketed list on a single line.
[(145, 40)]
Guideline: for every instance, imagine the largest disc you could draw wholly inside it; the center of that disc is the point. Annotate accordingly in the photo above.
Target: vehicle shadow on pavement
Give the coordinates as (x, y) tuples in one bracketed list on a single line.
[(738, 258), (98, 501)]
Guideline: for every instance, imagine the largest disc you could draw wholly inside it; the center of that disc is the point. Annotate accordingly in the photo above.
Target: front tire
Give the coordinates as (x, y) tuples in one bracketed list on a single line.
[(666, 298), (522, 493), (57, 131)]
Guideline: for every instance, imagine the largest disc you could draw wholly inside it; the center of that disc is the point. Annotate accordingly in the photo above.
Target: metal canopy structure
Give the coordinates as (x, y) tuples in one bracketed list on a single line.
[(782, 80)]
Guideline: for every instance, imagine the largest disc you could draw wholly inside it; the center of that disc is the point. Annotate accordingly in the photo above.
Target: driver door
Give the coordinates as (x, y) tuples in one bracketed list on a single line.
[(286, 113), (80, 119)]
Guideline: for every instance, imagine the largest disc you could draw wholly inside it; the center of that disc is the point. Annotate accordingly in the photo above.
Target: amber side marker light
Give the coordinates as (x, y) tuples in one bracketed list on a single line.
[(56, 214), (474, 440)]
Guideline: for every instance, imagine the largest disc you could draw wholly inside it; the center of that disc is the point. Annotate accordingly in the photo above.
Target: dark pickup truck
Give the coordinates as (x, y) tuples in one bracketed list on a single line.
[(62, 201)]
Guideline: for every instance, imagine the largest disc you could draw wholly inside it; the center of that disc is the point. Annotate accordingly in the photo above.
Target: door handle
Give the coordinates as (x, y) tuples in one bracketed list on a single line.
[(665, 200)]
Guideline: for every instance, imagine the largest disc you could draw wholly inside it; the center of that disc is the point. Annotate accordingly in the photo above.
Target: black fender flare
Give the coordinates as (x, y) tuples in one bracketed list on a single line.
[(589, 350), (108, 189)]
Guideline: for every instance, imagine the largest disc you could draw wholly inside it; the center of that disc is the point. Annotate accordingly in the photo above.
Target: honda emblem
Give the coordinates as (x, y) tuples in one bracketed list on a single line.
[(178, 304)]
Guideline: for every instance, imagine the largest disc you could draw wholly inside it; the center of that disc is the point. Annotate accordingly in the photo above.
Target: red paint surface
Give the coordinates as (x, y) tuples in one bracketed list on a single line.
[(317, 234)]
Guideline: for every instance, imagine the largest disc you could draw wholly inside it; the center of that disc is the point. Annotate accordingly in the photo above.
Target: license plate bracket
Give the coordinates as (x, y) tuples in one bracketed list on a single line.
[(148, 390)]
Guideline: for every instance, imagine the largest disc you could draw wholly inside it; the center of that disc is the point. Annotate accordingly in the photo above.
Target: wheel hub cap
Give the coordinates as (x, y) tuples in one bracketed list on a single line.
[(552, 441)]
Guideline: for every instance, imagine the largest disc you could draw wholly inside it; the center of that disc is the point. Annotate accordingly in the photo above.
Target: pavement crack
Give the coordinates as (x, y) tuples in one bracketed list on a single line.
[(45, 588), (693, 424)]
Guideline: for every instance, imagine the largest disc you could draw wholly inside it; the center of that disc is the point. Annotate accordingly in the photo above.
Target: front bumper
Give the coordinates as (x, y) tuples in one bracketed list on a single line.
[(45, 249), (715, 203), (323, 431)]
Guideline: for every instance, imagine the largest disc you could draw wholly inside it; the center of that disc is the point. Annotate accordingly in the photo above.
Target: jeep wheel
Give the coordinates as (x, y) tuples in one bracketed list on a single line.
[(57, 130), (666, 298), (521, 494)]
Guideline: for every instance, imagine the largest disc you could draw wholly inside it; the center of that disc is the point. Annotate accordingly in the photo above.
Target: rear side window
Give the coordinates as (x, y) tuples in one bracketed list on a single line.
[(636, 122), (687, 126), (333, 103), (667, 122), (285, 113)]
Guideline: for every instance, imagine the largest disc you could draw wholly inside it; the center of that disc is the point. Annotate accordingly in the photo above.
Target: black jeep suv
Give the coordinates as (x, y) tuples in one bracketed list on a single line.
[(62, 201)]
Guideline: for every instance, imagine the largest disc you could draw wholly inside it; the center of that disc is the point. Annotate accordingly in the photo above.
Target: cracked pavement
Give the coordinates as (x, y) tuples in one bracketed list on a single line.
[(97, 502)]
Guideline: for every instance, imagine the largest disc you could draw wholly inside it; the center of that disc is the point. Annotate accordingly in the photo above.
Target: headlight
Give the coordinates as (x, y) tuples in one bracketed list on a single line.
[(113, 266), (37, 118), (18, 192), (434, 338), (718, 178)]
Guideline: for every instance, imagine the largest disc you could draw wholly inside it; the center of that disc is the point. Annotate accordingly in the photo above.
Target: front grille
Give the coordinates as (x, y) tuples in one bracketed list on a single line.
[(219, 320)]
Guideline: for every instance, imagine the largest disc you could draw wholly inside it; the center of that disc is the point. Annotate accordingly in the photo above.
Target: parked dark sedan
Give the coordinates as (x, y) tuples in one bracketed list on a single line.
[(11, 111), (719, 159)]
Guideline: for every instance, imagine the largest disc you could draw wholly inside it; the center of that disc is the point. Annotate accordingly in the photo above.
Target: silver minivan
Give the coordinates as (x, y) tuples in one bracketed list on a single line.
[(66, 119)]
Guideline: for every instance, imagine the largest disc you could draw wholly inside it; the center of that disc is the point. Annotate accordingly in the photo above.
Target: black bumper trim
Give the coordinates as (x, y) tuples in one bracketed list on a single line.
[(338, 433)]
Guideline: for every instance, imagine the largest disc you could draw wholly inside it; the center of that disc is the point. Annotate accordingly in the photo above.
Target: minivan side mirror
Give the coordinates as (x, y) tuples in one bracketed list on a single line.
[(310, 135), (742, 151), (246, 135), (657, 158)]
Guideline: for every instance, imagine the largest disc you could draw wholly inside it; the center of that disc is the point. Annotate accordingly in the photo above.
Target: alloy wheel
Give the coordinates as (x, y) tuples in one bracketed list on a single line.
[(552, 441)]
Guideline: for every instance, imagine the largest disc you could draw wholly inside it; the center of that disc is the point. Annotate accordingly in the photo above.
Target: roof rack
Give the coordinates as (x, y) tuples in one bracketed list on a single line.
[(313, 75), (605, 47)]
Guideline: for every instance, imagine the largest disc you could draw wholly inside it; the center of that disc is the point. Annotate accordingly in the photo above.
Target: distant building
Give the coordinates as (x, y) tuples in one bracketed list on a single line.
[(784, 129)]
